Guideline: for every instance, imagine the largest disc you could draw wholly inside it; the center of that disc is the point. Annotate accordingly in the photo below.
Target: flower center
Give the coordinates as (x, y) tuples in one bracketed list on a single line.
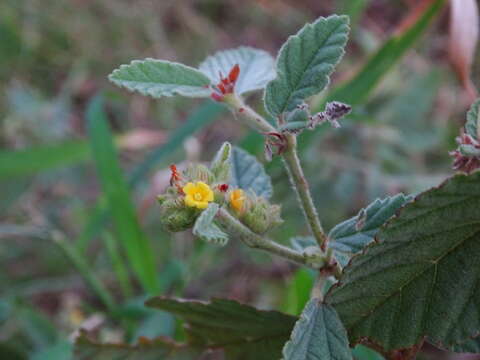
[(198, 196)]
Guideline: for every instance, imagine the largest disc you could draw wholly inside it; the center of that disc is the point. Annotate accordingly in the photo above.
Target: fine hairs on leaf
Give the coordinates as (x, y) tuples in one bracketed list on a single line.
[(249, 174), (257, 67), (421, 278), (318, 334), (472, 125), (305, 63), (157, 78), (242, 331), (206, 229), (352, 235)]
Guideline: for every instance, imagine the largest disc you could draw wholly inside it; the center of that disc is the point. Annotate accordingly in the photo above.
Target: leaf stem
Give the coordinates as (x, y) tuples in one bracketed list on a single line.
[(251, 117), (300, 184), (253, 240)]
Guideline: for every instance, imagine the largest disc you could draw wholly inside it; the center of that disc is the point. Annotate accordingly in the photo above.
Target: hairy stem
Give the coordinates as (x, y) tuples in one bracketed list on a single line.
[(253, 240), (250, 116), (300, 184)]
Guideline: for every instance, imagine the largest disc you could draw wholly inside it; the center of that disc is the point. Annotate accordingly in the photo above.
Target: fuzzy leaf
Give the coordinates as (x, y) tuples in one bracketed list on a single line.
[(249, 174), (86, 349), (318, 334), (159, 78), (473, 119), (352, 235), (305, 63), (242, 331), (421, 278), (221, 163), (257, 67), (206, 229)]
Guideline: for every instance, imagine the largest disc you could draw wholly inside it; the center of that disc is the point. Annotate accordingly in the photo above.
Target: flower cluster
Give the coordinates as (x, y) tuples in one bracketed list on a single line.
[(191, 191)]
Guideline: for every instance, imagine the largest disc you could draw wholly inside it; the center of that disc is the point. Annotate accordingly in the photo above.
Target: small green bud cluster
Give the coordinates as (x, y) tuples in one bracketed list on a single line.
[(259, 215), (191, 192)]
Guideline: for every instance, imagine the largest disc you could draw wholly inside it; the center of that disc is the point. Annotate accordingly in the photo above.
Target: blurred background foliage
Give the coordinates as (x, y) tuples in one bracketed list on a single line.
[(80, 241)]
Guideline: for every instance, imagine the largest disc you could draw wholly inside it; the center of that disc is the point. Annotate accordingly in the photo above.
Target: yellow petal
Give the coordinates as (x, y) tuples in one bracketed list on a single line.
[(202, 204), (207, 193), (237, 197), (189, 201), (189, 188)]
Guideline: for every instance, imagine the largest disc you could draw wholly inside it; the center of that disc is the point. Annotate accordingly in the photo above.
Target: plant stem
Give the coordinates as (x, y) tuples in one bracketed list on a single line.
[(300, 184), (251, 117), (253, 240)]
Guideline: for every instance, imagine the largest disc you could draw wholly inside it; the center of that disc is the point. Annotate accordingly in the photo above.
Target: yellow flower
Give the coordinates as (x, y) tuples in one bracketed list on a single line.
[(198, 195), (237, 198)]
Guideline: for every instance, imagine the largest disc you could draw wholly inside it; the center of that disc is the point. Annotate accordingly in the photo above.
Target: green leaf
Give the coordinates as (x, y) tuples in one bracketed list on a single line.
[(352, 235), (473, 119), (357, 90), (242, 331), (318, 334), (159, 78), (221, 163), (206, 229), (257, 67), (116, 189), (421, 278), (249, 174), (305, 63), (31, 160), (160, 348)]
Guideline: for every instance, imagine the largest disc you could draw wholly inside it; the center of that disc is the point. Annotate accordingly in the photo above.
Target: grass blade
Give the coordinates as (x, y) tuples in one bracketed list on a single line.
[(85, 270), (118, 265), (26, 162), (117, 193)]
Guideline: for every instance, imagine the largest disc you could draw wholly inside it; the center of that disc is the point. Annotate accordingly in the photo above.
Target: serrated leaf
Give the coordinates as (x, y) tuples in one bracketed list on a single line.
[(248, 174), (159, 348), (159, 78), (318, 334), (206, 229), (305, 63), (421, 278), (257, 67), (241, 330), (471, 127), (352, 235)]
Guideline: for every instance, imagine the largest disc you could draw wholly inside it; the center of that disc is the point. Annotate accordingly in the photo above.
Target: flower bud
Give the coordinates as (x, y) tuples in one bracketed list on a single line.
[(259, 215), (174, 215), (221, 164)]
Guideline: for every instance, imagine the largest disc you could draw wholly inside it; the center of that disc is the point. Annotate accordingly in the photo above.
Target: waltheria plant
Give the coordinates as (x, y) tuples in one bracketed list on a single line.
[(405, 269)]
